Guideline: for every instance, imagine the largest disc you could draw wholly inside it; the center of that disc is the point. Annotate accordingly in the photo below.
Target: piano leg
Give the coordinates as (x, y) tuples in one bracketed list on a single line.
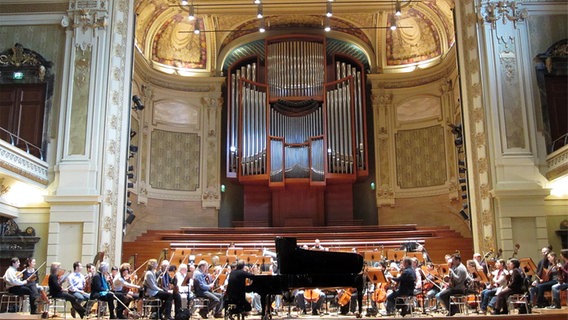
[(266, 303)]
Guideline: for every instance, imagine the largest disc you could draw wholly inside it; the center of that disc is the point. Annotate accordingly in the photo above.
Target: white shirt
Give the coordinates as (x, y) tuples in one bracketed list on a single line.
[(11, 278)]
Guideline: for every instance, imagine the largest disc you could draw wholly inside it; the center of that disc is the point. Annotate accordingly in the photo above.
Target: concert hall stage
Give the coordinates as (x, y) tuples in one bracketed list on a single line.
[(541, 314)]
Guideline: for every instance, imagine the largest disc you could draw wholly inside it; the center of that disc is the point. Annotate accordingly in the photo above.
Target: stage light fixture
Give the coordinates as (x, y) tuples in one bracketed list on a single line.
[(462, 170), (132, 133), (130, 185), (133, 148), (397, 10), (463, 188), (461, 163), (392, 23), (462, 180), (329, 10), (130, 218), (464, 196), (464, 215), (138, 105)]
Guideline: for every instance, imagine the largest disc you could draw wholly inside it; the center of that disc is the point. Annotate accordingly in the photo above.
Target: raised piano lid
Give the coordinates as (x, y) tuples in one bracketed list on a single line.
[(295, 260)]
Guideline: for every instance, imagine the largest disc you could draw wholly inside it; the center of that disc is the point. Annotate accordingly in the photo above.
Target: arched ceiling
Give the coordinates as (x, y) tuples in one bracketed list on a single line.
[(165, 38)]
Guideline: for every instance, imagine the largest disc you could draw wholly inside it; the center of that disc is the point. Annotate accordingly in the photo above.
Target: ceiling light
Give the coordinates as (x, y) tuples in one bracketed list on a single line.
[(191, 12), (196, 28), (329, 11), (259, 12), (262, 27), (256, 1), (327, 28), (392, 23), (397, 10), (184, 2)]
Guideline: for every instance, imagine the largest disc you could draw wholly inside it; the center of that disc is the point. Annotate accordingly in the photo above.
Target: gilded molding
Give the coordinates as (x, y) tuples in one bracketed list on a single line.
[(86, 18), (506, 11)]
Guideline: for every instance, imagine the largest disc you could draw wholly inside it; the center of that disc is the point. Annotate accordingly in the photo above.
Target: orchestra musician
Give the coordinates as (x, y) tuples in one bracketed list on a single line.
[(318, 246), (236, 288), (543, 264), (254, 297), (18, 286), (418, 274), (314, 296), (30, 273), (180, 278), (480, 263), (406, 282), (56, 291), (122, 283), (203, 289), (101, 288), (169, 283), (515, 285), (77, 282), (91, 270), (545, 282), (430, 285), (498, 282), (562, 280), (457, 278), (153, 290)]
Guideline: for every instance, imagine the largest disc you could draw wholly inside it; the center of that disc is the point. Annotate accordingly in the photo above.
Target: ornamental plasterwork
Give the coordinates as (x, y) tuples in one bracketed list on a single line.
[(86, 18), (506, 11), (28, 168)]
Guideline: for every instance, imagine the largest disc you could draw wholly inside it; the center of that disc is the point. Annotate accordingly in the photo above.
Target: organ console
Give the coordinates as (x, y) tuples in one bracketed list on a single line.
[(297, 111)]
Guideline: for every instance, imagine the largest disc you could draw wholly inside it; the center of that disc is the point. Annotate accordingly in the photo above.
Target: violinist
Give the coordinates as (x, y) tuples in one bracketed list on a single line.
[(418, 274), (547, 280), (498, 282), (91, 270), (515, 285), (56, 291), (30, 273), (562, 280), (18, 286), (203, 289), (153, 290), (430, 285), (122, 284), (169, 283), (406, 282), (457, 283), (181, 276), (101, 288)]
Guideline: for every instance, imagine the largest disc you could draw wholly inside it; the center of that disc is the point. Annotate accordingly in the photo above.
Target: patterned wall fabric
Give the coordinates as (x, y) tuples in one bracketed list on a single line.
[(420, 157), (174, 163)]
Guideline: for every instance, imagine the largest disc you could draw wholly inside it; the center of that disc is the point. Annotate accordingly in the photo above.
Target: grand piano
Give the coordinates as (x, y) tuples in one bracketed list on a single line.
[(300, 268)]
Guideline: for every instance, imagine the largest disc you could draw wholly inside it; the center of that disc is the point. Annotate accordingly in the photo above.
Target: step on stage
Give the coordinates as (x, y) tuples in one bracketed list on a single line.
[(541, 314)]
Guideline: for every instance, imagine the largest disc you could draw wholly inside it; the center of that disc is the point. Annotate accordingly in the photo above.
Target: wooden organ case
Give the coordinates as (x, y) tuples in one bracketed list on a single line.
[(296, 133)]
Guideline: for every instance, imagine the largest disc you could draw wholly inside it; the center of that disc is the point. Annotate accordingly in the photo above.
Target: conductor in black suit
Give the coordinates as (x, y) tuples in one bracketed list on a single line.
[(236, 288), (406, 282)]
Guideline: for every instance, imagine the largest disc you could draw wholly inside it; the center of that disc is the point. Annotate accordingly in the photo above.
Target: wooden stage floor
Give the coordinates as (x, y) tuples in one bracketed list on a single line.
[(541, 314)]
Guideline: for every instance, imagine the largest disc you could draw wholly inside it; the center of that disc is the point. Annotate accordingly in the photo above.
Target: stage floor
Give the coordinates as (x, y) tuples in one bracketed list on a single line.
[(541, 314)]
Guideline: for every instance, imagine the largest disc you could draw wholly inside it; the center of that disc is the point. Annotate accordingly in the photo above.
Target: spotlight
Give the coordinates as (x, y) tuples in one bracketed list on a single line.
[(259, 11), (137, 103), (132, 134), (184, 2), (130, 185), (131, 155), (464, 196), (130, 168), (129, 203), (129, 211), (465, 206), (130, 175), (458, 141), (130, 218), (462, 180), (463, 188), (464, 214), (461, 163), (456, 129), (133, 148), (329, 11), (462, 170)]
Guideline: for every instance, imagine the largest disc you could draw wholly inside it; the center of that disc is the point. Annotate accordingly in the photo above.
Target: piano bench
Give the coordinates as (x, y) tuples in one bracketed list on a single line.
[(234, 312)]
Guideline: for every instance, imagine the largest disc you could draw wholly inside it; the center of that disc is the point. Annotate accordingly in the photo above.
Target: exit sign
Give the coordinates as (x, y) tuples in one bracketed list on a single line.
[(18, 75)]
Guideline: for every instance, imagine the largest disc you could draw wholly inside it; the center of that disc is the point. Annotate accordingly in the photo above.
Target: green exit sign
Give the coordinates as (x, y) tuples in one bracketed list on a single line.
[(18, 75)]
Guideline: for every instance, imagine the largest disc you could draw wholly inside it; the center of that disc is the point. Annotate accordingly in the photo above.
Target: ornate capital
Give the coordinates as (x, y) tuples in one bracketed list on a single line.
[(86, 18), (505, 11)]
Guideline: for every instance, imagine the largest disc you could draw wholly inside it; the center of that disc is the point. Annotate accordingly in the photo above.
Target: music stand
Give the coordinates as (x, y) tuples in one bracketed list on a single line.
[(376, 275), (395, 255), (417, 255), (528, 266)]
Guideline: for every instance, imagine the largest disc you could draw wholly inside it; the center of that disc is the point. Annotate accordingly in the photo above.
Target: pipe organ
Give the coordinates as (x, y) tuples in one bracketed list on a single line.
[(296, 114)]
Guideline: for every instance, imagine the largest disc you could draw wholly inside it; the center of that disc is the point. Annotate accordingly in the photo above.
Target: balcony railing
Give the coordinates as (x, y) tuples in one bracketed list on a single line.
[(20, 143), (559, 143)]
